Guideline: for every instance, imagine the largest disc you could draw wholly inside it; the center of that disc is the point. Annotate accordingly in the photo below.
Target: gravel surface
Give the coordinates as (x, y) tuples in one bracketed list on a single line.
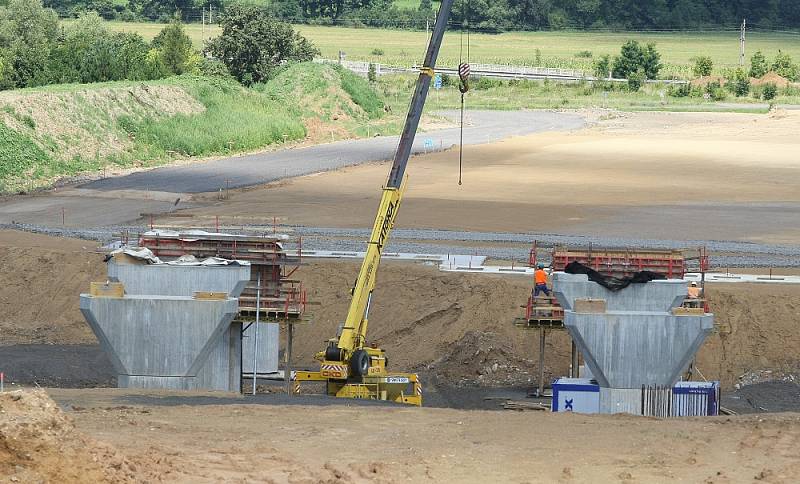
[(423, 241), (241, 171), (86, 366), (65, 366), (770, 396)]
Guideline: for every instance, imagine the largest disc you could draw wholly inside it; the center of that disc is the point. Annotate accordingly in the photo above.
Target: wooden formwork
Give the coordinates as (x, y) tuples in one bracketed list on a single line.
[(281, 297), (673, 264), (619, 262)]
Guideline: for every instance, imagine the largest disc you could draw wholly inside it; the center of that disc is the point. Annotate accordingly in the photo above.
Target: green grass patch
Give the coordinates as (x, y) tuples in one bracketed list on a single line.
[(328, 92), (235, 119), (513, 95), (361, 92), (20, 157)]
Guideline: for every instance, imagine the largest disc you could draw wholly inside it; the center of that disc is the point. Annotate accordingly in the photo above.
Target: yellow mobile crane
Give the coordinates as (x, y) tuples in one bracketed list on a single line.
[(351, 368)]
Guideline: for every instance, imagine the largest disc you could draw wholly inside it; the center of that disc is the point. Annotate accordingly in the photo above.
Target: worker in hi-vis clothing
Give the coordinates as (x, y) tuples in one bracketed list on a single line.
[(540, 281), (693, 293)]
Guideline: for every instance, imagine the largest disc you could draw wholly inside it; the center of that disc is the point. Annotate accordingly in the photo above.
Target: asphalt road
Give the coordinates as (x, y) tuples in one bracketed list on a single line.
[(241, 171)]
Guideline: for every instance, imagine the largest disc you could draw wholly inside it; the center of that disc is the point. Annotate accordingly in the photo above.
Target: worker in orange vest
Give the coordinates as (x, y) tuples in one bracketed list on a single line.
[(540, 281), (693, 291)]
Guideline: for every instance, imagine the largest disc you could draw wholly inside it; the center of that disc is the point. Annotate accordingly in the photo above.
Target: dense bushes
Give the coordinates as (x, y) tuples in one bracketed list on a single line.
[(35, 51)]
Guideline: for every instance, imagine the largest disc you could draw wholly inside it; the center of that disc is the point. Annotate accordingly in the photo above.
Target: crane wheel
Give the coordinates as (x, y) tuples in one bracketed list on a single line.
[(359, 363), (333, 353)]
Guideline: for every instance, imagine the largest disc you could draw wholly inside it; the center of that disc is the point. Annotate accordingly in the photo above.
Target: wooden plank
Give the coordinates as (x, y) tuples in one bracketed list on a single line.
[(107, 289), (590, 306), (682, 311), (211, 296)]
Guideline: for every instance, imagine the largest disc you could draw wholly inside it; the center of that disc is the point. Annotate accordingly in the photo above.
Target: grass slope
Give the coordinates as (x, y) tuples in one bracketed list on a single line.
[(57, 131), (234, 119)]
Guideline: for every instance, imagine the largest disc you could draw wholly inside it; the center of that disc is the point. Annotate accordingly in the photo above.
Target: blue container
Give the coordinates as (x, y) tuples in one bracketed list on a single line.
[(695, 398), (580, 395), (688, 398)]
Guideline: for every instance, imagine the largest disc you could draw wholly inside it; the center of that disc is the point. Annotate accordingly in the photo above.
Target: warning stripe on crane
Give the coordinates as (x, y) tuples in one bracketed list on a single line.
[(463, 70), (333, 367), (333, 371)]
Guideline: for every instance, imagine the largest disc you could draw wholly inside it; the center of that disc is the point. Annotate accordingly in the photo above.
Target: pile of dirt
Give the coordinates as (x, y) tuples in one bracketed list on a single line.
[(39, 443), (457, 326), (706, 80), (482, 358), (771, 78), (42, 278), (757, 330)]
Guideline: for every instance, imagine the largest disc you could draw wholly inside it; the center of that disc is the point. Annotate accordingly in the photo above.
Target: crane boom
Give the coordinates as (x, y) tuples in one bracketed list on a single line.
[(354, 331), (350, 368)]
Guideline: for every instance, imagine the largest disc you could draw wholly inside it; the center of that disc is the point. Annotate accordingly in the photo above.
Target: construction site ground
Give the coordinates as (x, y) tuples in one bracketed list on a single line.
[(112, 436), (725, 179)]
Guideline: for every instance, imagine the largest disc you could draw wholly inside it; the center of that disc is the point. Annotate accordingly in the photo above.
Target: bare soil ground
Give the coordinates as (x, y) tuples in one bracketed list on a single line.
[(652, 175), (235, 442), (39, 443), (42, 277), (455, 327), (684, 176)]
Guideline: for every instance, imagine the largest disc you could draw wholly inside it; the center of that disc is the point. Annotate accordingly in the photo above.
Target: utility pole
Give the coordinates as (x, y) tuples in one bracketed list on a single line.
[(204, 25), (742, 41)]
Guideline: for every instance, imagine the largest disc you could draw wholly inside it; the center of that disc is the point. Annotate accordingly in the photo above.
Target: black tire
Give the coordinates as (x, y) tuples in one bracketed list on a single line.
[(359, 363), (333, 353)]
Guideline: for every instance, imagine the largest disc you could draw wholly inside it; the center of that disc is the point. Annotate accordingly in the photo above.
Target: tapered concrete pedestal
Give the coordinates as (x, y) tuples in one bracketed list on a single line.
[(170, 342), (630, 338)]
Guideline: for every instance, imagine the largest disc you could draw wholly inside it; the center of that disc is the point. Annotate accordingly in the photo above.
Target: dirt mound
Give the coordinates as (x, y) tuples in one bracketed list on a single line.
[(39, 295), (771, 78), (706, 80), (482, 358), (757, 330), (39, 443)]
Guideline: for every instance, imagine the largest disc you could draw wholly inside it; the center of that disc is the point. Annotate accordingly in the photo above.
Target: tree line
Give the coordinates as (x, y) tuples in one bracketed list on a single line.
[(485, 15), (36, 50)]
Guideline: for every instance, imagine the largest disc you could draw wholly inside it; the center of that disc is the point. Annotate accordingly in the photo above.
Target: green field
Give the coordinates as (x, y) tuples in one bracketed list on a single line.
[(557, 49), (413, 4)]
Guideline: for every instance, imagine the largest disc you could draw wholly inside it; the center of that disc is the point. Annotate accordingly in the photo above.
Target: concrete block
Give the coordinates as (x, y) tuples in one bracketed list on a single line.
[(590, 305), (616, 400), (177, 280), (628, 349), (268, 348), (652, 296), (168, 341)]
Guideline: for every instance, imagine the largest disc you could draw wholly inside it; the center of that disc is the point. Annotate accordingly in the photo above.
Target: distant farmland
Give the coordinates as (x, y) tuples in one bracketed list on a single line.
[(556, 49)]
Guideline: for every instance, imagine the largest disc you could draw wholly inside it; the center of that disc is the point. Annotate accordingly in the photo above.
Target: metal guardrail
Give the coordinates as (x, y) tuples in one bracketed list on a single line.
[(494, 71)]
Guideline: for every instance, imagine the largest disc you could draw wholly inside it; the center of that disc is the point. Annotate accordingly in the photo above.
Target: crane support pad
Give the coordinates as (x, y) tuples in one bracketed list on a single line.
[(309, 376)]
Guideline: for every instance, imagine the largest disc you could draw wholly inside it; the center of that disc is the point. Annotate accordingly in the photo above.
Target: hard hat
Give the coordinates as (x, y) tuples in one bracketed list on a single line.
[(694, 283), (541, 266)]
